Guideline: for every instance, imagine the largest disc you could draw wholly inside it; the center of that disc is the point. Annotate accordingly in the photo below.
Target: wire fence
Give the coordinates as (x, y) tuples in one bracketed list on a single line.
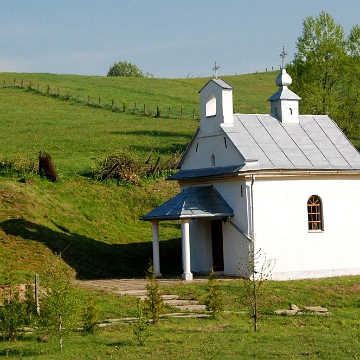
[(134, 107)]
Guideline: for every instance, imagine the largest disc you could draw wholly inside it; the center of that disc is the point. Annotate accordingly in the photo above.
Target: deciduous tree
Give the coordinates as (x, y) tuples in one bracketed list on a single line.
[(125, 68), (318, 65)]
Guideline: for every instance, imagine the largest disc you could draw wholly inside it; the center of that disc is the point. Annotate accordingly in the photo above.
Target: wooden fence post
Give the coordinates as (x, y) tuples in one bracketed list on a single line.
[(145, 111), (22, 83), (38, 87), (112, 103), (30, 84), (14, 81), (4, 82), (169, 111), (48, 90), (182, 112), (157, 110), (99, 100), (135, 108)]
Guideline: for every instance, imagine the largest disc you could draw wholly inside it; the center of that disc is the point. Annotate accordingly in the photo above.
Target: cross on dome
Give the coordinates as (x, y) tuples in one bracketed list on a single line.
[(215, 68), (283, 56)]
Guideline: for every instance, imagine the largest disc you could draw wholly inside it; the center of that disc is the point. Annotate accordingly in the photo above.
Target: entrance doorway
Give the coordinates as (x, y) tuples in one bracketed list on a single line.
[(217, 245)]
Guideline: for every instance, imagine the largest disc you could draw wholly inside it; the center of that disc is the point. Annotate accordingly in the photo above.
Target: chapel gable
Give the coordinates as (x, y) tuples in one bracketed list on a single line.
[(216, 105)]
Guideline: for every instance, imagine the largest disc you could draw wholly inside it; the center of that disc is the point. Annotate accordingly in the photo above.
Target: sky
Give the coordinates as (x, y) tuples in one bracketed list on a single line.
[(167, 38)]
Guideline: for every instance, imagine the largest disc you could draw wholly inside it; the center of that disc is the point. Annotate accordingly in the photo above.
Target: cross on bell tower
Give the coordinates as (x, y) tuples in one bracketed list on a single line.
[(283, 56), (215, 68)]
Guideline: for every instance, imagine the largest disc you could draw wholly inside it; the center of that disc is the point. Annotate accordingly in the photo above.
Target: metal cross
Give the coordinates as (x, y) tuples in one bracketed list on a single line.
[(283, 56), (215, 68)]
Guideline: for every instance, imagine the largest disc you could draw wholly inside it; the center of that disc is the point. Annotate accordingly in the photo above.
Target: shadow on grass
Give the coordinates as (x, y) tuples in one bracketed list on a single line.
[(93, 259)]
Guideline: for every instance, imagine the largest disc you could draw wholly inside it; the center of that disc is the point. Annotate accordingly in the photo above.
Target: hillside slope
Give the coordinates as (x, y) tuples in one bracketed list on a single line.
[(95, 226)]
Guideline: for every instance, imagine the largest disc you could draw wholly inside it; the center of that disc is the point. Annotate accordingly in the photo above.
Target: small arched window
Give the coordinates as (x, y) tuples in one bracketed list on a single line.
[(211, 105), (315, 213), (212, 160)]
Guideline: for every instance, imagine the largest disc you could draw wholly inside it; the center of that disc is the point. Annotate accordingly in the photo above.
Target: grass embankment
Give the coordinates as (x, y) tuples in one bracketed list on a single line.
[(97, 224)]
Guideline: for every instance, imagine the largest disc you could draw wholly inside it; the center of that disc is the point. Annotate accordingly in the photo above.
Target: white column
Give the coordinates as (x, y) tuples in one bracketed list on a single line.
[(156, 251), (185, 240)]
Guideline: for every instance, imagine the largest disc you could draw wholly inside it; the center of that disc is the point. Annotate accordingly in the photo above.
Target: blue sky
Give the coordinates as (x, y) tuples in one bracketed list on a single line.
[(168, 38)]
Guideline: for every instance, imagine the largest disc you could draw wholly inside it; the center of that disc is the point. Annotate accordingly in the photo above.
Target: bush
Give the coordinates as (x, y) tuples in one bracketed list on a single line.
[(154, 304), (214, 302), (12, 314), (60, 302), (20, 166), (121, 165)]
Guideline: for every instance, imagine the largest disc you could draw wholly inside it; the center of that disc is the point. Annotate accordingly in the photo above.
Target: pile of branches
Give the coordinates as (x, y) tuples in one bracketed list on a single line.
[(124, 166)]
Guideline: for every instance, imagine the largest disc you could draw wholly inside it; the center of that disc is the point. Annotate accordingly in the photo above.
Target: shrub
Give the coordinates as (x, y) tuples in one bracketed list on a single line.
[(154, 304), (20, 166), (213, 302), (121, 165), (141, 325), (12, 313), (60, 304), (90, 316)]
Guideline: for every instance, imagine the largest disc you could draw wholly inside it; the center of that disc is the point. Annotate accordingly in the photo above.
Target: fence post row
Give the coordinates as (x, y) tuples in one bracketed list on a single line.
[(69, 97)]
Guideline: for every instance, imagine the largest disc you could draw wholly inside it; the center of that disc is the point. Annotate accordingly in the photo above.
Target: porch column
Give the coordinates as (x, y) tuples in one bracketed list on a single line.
[(185, 240), (156, 252)]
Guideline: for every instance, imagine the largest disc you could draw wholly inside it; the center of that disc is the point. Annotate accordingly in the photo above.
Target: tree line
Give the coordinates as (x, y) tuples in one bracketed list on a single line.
[(326, 72)]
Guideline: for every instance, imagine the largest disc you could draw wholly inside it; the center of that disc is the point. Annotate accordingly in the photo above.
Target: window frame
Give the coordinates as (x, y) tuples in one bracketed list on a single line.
[(315, 214)]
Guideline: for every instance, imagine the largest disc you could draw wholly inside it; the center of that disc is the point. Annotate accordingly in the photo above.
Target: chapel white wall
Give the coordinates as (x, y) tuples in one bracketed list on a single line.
[(281, 226), (219, 145)]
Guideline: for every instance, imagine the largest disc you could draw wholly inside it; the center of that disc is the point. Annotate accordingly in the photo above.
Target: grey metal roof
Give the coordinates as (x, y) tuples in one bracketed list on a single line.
[(284, 93), (192, 203), (315, 143), (219, 82), (206, 172)]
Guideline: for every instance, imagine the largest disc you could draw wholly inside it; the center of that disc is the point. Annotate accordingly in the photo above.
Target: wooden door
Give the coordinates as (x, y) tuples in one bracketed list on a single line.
[(217, 245)]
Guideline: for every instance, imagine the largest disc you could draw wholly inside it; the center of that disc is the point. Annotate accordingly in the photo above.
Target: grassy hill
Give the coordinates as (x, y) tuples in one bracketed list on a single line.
[(95, 225)]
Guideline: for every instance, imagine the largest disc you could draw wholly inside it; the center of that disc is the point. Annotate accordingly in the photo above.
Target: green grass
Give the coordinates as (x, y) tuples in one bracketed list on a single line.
[(97, 223), (96, 227), (228, 337)]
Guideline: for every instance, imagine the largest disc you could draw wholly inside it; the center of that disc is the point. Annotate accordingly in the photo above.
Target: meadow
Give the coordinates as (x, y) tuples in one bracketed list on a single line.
[(95, 225)]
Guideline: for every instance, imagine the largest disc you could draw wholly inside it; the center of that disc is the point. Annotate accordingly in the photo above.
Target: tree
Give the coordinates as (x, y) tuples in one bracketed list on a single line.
[(125, 68), (318, 66), (214, 301), (154, 303), (60, 302), (258, 270), (350, 109)]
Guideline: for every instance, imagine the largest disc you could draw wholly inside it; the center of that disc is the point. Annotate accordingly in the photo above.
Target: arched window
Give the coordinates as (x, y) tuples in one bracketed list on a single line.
[(315, 215), (211, 105), (212, 160)]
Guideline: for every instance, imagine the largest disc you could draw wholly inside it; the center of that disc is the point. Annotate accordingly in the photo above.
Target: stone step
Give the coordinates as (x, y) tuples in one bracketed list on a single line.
[(181, 302), (194, 307)]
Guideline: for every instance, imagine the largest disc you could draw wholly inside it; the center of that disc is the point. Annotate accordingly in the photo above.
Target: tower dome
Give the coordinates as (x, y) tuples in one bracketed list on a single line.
[(283, 79)]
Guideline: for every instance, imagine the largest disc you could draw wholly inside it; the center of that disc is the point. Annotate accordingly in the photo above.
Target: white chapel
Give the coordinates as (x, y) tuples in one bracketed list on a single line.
[(285, 183)]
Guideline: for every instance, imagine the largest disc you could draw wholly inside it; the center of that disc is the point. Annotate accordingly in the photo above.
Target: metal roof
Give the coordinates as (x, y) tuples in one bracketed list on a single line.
[(219, 82), (284, 93), (315, 143), (206, 172), (192, 203)]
